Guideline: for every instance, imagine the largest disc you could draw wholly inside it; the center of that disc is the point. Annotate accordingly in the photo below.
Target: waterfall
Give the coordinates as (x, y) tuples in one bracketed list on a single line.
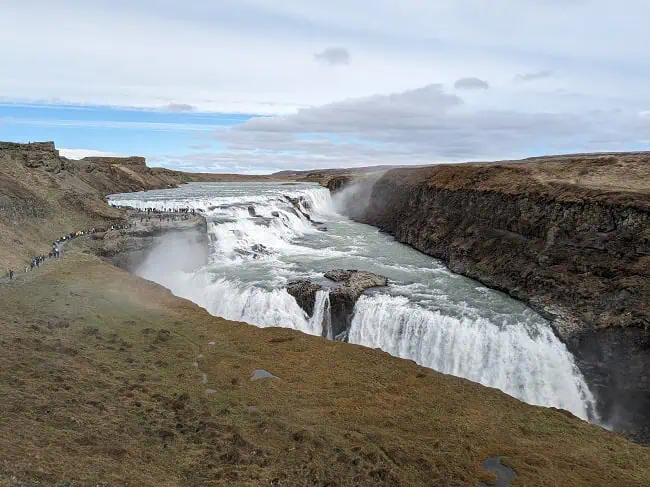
[(315, 200), (321, 320), (263, 235), (236, 232), (527, 361), (237, 301)]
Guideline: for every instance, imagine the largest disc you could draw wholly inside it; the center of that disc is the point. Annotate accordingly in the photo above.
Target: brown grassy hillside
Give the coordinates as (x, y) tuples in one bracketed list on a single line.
[(106, 378), (620, 179)]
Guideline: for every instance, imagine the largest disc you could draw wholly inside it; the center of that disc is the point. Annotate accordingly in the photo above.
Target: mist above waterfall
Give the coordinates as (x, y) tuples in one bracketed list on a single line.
[(353, 199), (262, 236), (173, 253)]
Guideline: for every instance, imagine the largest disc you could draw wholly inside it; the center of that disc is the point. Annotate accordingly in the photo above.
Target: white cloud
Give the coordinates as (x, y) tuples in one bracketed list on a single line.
[(421, 126), (257, 56), (81, 153)]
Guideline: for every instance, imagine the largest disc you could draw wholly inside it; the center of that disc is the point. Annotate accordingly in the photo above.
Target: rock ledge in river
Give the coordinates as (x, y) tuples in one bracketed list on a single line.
[(352, 284), (304, 293), (357, 279)]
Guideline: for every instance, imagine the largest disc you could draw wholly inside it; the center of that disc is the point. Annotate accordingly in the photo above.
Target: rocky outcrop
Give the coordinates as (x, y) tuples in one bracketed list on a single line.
[(120, 161), (565, 235), (342, 297), (304, 293), (34, 155), (338, 183)]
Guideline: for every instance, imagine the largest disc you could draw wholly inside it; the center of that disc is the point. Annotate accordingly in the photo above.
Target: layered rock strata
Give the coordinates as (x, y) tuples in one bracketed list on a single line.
[(568, 235)]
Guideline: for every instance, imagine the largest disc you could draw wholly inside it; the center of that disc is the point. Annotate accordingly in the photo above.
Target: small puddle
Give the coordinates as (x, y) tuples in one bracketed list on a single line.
[(505, 475)]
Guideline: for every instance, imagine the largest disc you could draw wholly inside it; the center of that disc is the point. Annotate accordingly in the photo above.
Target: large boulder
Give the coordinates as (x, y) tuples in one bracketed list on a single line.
[(305, 294), (343, 297), (357, 279)]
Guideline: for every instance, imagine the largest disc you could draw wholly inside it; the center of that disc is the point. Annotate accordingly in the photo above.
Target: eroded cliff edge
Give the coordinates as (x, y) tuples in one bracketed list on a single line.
[(568, 235)]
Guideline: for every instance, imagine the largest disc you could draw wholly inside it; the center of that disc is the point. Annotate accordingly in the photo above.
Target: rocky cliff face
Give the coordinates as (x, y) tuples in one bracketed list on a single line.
[(122, 161), (34, 155), (569, 236)]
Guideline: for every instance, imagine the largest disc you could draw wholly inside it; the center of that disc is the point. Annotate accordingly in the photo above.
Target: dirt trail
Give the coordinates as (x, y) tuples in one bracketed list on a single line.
[(22, 275)]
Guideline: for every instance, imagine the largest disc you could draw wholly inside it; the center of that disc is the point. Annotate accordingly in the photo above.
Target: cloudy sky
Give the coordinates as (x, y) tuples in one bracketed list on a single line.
[(263, 85)]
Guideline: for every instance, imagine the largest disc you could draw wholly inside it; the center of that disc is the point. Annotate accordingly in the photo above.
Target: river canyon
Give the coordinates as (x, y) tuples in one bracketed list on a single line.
[(264, 236)]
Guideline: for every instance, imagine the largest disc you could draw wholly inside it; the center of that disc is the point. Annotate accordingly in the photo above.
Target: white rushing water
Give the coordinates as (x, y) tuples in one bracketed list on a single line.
[(264, 235)]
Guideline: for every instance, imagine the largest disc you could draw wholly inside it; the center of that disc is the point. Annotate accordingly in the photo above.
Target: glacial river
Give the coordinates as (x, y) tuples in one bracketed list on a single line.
[(260, 241)]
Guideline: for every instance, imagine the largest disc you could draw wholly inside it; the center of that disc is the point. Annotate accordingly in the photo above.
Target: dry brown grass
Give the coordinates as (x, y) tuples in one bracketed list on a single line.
[(97, 385), (622, 179)]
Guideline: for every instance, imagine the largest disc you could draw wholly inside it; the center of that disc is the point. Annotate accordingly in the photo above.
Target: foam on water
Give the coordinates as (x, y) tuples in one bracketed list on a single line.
[(238, 301), (527, 362)]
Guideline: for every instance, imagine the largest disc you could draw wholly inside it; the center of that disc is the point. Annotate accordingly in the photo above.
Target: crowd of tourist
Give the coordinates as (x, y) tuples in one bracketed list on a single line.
[(146, 214), (163, 217), (57, 247), (150, 211), (165, 214)]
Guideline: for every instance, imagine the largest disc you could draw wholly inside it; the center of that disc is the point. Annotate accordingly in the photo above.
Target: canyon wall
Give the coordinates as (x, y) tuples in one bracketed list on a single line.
[(570, 236)]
